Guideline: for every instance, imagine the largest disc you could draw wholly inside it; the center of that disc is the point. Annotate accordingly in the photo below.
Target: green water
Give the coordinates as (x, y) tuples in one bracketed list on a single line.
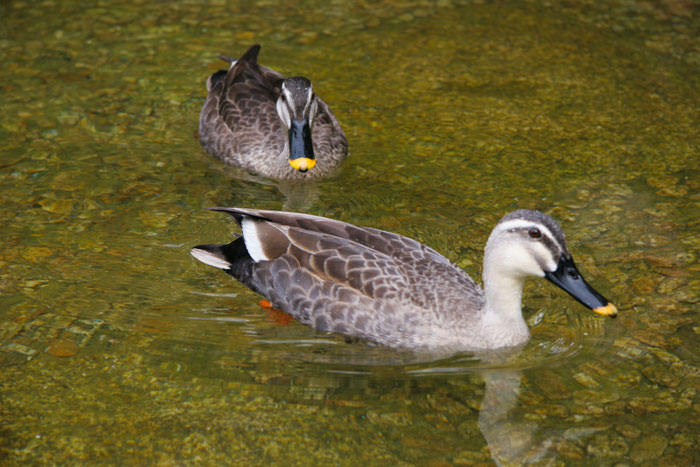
[(116, 347)]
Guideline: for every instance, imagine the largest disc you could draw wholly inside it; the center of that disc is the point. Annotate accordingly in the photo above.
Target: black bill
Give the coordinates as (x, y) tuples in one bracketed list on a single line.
[(301, 150), (568, 278)]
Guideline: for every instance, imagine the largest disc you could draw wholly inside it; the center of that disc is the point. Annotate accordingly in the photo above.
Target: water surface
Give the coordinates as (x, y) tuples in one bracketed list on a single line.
[(116, 347)]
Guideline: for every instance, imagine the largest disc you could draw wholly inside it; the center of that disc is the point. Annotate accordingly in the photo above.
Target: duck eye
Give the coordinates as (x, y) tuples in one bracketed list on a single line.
[(534, 232)]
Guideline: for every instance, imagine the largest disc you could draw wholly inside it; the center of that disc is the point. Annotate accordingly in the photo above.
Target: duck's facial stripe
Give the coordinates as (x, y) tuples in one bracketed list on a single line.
[(309, 99), (547, 238), (313, 107), (546, 254), (287, 94), (521, 224), (300, 105), (283, 112)]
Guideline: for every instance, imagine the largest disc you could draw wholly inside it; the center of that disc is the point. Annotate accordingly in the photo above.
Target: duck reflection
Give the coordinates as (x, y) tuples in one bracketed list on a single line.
[(356, 368), (508, 439), (512, 440), (245, 187)]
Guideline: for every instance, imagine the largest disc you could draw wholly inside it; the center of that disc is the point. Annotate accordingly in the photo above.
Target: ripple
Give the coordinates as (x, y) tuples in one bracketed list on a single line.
[(555, 342)]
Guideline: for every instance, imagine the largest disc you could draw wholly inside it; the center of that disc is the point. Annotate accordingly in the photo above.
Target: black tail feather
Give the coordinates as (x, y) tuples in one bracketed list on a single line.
[(235, 255)]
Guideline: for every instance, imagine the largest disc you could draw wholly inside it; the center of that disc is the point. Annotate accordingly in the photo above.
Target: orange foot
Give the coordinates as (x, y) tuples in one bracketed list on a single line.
[(274, 314)]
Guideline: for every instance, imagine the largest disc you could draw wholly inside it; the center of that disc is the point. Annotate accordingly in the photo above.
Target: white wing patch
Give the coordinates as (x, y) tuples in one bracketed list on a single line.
[(252, 241)]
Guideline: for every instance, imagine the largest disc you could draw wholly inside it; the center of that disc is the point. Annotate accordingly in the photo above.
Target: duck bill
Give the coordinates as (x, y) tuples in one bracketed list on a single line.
[(301, 150), (568, 278)]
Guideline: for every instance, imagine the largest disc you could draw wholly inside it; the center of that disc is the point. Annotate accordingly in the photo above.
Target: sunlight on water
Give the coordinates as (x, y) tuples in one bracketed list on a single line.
[(117, 347)]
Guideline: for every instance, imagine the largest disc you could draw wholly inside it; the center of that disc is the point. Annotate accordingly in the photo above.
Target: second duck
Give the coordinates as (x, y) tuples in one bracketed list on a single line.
[(257, 119)]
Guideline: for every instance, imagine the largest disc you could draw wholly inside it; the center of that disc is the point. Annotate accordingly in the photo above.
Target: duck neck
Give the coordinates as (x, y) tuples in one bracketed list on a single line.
[(502, 317)]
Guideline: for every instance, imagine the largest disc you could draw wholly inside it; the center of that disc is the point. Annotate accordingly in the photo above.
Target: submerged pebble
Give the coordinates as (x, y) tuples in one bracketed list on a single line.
[(659, 374), (63, 348), (648, 448), (607, 444), (628, 431)]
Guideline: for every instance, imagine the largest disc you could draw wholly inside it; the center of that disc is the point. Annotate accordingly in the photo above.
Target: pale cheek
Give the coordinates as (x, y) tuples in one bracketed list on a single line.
[(283, 113), (523, 262), (312, 111), (551, 266), (546, 258)]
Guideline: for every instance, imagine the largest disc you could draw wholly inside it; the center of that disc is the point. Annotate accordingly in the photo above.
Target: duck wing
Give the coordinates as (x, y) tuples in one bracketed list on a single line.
[(239, 122), (247, 70), (329, 137), (247, 98), (339, 277)]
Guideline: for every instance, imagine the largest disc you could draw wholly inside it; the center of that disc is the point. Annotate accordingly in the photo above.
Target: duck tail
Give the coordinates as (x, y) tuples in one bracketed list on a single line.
[(232, 258), (251, 55), (224, 257), (248, 60)]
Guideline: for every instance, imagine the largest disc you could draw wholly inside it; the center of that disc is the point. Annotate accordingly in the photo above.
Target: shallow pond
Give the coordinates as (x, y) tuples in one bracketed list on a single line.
[(117, 347)]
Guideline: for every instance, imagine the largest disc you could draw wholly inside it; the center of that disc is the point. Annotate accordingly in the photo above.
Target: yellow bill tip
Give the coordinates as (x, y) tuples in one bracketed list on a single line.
[(607, 310), (302, 164)]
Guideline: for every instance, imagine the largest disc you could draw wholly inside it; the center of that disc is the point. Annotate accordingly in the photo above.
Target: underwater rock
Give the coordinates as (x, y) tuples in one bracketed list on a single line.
[(550, 384), (63, 348), (567, 449), (669, 284), (468, 458), (552, 410), (664, 402), (655, 339), (616, 408), (676, 460), (586, 396), (628, 431), (661, 375), (648, 448), (586, 380), (607, 445)]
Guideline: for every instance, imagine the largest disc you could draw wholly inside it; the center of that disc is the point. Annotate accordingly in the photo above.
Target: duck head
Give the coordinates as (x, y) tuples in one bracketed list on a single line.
[(296, 107), (530, 243)]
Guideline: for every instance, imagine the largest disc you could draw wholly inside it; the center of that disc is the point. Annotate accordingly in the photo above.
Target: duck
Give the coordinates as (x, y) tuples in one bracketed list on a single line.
[(276, 127), (388, 289)]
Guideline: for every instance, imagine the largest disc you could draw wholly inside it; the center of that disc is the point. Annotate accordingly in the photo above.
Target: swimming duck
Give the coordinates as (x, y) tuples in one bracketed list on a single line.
[(273, 126), (390, 289)]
